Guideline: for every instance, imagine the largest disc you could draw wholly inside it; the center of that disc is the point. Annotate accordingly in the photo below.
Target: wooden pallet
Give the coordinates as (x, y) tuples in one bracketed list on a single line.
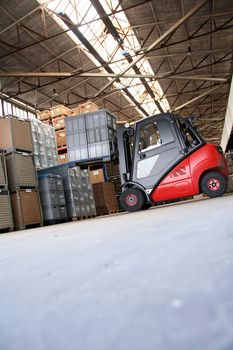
[(109, 212), (82, 217), (26, 227)]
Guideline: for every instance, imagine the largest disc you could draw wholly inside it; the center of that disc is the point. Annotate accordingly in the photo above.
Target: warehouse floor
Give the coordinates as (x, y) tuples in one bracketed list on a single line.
[(159, 279)]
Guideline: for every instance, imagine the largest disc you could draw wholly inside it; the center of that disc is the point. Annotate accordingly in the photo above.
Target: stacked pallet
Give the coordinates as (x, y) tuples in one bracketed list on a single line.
[(45, 117), (6, 220), (16, 139), (91, 135), (58, 116), (77, 188), (105, 198), (52, 198), (84, 108), (113, 176), (44, 144)]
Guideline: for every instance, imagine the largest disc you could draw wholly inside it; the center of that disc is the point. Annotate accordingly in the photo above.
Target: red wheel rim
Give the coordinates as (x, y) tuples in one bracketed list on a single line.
[(131, 200), (214, 184)]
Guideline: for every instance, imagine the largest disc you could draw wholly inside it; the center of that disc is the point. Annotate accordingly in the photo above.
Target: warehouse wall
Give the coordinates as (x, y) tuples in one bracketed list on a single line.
[(228, 125)]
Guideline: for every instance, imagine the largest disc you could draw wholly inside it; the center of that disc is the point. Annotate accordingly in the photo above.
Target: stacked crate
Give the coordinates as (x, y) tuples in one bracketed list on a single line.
[(16, 139), (105, 198), (113, 176), (45, 117), (44, 144), (58, 115), (52, 198), (91, 135), (6, 220), (84, 108), (88, 194), (78, 204)]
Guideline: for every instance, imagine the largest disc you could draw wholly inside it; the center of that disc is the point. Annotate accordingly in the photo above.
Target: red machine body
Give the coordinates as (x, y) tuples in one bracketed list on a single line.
[(184, 179), (165, 158)]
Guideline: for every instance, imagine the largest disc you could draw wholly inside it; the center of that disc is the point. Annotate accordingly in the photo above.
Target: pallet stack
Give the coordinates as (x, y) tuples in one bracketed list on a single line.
[(6, 219), (113, 176), (58, 116), (77, 188), (44, 144), (105, 198), (45, 117), (91, 135), (16, 139), (52, 198)]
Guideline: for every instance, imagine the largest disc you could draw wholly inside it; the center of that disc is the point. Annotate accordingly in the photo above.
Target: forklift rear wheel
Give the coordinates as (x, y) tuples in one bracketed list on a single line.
[(132, 199), (214, 184)]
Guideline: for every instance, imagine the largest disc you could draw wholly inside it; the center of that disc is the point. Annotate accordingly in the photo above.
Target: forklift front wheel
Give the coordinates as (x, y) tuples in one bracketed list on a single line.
[(132, 199), (214, 184)]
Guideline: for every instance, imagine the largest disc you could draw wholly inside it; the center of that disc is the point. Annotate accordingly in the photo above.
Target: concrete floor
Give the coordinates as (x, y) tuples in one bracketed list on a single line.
[(160, 279)]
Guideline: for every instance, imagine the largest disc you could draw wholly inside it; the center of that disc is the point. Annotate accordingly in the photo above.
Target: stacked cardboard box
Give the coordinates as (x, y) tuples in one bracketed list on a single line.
[(84, 108), (58, 115), (17, 140), (45, 117), (6, 220), (91, 135), (52, 198), (15, 134), (105, 198), (44, 144), (113, 176)]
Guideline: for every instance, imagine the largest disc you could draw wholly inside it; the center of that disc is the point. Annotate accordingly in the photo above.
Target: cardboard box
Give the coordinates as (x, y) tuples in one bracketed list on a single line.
[(16, 133), (59, 122), (44, 115), (63, 158), (84, 108), (59, 111), (97, 176), (61, 138), (26, 208)]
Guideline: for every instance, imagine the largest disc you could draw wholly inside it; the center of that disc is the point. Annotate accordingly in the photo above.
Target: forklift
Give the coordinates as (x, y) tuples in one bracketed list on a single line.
[(163, 158)]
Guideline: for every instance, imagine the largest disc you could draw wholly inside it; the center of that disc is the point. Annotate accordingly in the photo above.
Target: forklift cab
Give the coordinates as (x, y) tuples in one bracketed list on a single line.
[(151, 151)]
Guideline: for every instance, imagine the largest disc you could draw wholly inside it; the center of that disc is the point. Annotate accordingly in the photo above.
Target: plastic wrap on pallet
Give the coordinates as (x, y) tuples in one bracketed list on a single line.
[(78, 190), (45, 146)]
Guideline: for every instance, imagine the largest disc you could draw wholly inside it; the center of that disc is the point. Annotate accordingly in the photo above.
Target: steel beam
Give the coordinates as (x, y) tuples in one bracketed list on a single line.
[(157, 42), (21, 18), (197, 98), (110, 75)]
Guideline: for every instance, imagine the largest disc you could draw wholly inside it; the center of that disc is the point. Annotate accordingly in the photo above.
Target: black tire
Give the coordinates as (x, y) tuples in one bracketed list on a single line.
[(132, 199), (214, 184), (146, 206)]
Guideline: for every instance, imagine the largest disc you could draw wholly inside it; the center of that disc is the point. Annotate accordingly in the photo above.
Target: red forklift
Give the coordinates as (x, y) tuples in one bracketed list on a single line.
[(163, 158)]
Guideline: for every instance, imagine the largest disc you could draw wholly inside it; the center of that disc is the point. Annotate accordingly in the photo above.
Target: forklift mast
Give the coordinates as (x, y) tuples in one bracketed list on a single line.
[(125, 142)]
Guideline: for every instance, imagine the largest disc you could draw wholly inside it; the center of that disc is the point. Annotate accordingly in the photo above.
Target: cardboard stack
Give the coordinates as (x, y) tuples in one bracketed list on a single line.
[(16, 139), (6, 220), (44, 144)]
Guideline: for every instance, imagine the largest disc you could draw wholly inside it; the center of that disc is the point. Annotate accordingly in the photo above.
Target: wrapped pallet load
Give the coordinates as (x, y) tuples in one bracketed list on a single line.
[(44, 143)]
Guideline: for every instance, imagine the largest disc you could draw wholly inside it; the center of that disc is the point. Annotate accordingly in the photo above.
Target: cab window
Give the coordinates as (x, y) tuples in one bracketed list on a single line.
[(149, 137)]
